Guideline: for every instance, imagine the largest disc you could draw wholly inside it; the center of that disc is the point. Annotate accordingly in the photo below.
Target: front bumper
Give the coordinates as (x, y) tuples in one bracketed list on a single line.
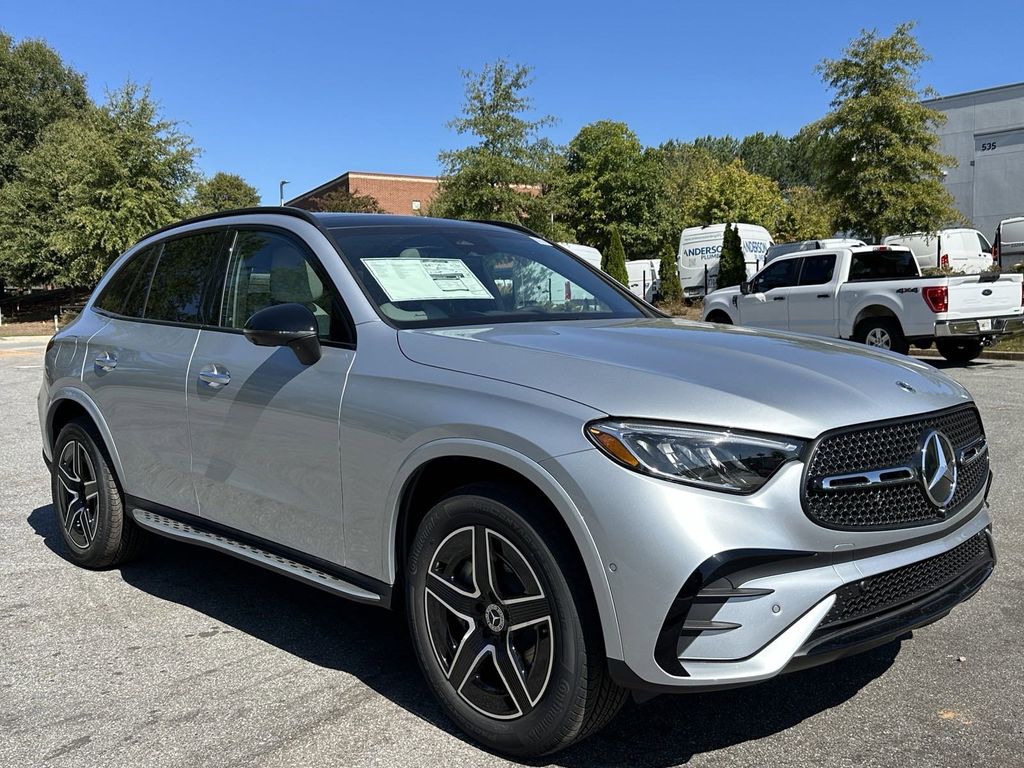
[(715, 591), (979, 327)]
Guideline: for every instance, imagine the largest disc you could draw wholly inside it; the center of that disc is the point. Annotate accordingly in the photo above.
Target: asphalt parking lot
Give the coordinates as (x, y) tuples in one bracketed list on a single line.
[(189, 658)]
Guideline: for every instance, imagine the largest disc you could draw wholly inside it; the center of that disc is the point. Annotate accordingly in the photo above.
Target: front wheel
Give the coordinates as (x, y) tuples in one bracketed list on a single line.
[(884, 333), (959, 350), (502, 626)]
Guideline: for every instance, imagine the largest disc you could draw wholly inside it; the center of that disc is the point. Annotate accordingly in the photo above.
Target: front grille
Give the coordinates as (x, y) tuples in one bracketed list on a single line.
[(891, 589), (886, 446)]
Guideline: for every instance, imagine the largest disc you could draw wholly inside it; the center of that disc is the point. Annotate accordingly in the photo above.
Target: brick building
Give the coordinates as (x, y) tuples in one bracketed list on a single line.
[(396, 193)]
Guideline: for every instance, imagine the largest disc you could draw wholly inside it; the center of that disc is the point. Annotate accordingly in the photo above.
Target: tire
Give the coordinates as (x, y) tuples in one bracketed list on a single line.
[(884, 333), (719, 317), (473, 666), (959, 350), (97, 534)]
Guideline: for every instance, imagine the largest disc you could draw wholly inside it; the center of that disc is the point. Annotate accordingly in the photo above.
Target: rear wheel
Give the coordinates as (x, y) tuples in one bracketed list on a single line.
[(959, 350), (884, 333), (501, 624), (87, 500)]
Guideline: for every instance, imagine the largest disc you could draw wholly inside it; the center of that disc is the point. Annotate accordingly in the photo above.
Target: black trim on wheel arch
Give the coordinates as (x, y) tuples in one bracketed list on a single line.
[(383, 589)]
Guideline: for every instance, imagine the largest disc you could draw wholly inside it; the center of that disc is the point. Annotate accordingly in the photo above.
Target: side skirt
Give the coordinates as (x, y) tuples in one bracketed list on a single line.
[(193, 530)]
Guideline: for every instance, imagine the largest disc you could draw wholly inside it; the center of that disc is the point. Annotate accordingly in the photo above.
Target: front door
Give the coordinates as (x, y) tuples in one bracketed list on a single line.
[(266, 457), (766, 304)]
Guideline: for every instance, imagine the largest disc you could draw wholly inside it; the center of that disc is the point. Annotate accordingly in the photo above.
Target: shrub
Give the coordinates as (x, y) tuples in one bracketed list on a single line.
[(668, 275), (732, 269), (614, 260)]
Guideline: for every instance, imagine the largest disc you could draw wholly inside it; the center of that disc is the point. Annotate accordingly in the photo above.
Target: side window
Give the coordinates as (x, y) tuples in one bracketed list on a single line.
[(270, 268), (983, 243), (818, 269), (185, 266), (779, 274), (125, 293)]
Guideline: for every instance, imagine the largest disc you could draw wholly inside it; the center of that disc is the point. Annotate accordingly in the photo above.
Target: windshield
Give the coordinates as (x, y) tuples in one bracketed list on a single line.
[(442, 276)]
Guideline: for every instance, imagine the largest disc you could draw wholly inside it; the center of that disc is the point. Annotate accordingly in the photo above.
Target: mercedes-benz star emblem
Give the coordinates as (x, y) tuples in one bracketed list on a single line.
[(938, 468), (495, 618)]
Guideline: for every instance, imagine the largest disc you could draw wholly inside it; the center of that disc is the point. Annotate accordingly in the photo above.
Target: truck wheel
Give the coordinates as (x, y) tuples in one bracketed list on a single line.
[(959, 350), (87, 500), (501, 625), (884, 333)]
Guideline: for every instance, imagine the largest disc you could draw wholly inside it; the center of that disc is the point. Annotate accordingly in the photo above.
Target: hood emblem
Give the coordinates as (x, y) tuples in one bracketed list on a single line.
[(938, 468), (905, 387)]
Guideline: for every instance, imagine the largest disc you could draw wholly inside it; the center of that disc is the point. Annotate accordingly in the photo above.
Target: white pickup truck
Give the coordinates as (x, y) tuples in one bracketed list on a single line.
[(875, 295)]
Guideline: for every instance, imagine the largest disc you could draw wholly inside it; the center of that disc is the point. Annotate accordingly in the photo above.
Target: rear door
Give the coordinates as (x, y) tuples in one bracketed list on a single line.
[(265, 429), (766, 304), (136, 365), (812, 301)]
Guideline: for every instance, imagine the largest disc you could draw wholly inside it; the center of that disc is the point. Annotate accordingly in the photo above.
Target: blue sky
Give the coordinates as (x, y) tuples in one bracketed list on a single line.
[(306, 90)]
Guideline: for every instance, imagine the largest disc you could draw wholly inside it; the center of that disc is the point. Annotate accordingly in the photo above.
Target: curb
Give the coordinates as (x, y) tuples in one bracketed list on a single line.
[(988, 354)]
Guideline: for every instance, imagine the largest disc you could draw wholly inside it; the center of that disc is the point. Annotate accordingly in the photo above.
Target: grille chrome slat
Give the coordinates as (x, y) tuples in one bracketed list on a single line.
[(857, 478)]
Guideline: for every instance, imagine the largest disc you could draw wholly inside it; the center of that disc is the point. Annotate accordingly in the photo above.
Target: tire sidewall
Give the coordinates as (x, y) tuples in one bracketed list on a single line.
[(558, 715), (109, 506)]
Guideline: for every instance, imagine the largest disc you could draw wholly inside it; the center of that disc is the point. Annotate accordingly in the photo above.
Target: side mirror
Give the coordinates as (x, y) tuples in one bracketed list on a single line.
[(745, 287), (286, 325)]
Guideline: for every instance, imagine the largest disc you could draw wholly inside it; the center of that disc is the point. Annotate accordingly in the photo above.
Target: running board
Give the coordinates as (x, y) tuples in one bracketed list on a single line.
[(175, 529)]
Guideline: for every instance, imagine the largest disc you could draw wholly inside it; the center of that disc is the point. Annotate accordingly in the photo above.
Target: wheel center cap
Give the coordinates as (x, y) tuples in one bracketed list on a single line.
[(494, 618)]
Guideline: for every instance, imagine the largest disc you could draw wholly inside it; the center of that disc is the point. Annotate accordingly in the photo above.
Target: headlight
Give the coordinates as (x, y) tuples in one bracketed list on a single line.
[(704, 456)]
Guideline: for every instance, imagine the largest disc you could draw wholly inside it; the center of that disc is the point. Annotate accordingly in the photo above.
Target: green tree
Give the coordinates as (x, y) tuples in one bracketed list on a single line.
[(223, 192), (806, 216), (36, 90), (612, 183), (881, 165), (769, 155), (724, 149), (90, 188), (343, 201), (613, 258), (668, 275), (732, 269), (502, 174), (732, 193)]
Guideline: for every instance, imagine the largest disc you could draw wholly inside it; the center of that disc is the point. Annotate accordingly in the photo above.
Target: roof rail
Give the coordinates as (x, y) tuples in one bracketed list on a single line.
[(298, 213)]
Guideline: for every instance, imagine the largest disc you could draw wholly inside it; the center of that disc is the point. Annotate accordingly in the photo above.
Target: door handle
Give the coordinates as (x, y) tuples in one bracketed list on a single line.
[(824, 295), (215, 376), (778, 298), (107, 361)]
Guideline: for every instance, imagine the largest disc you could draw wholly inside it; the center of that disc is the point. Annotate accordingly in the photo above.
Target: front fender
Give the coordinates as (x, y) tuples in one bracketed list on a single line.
[(544, 481)]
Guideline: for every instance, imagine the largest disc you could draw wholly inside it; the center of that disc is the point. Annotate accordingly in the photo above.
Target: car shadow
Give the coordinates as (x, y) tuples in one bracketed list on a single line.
[(372, 645)]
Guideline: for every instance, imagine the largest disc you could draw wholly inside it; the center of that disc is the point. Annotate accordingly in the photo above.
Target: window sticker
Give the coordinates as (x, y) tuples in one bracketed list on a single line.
[(408, 279)]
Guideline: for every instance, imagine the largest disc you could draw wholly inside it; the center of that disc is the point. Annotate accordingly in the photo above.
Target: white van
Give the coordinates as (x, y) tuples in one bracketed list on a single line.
[(962, 250), (643, 277), (701, 247), (588, 253)]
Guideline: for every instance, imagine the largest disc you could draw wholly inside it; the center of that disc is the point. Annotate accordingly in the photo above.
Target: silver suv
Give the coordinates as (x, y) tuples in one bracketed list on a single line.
[(570, 495)]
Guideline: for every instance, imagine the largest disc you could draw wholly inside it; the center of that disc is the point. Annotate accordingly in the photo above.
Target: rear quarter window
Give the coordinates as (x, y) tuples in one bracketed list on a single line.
[(125, 292)]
